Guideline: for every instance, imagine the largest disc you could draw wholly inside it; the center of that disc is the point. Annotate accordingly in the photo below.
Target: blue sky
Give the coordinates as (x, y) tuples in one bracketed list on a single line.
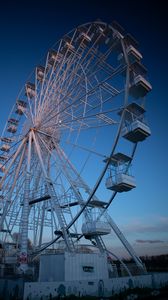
[(28, 30)]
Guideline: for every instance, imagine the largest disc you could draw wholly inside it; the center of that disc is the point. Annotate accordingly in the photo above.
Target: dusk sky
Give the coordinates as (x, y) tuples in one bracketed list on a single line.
[(28, 29)]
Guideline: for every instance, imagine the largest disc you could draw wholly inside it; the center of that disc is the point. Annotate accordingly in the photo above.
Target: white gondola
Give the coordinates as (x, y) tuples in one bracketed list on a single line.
[(5, 147), (85, 38), (121, 183), (67, 47), (12, 126), (140, 87), (68, 43), (93, 228), (130, 40), (30, 90), (20, 107), (133, 53), (119, 179), (115, 37), (6, 140), (138, 68), (135, 128), (40, 70), (137, 131), (119, 30), (54, 57), (98, 33), (3, 158)]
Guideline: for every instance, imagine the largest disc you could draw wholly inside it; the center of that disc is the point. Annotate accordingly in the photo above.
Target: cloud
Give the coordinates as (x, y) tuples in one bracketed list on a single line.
[(159, 225), (148, 236), (149, 241)]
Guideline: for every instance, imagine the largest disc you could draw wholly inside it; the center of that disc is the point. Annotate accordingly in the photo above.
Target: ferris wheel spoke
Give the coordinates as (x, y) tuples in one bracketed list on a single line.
[(74, 176), (101, 58), (87, 149), (91, 120), (76, 100), (42, 89), (79, 99), (13, 160), (60, 91), (69, 61), (73, 181), (58, 72), (76, 118), (56, 205)]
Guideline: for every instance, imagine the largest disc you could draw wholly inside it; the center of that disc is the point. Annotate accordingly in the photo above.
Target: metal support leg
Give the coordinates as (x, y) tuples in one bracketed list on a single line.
[(23, 256)]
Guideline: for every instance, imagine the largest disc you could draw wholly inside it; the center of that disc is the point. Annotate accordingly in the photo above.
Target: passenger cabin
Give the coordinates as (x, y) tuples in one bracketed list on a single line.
[(54, 57), (119, 30), (97, 33), (118, 27), (133, 53), (5, 146), (30, 90), (119, 178), (115, 37), (3, 158), (137, 68), (12, 125), (85, 38), (135, 128), (130, 40), (68, 43), (20, 107), (92, 228), (67, 47), (139, 87), (100, 35), (6, 140), (131, 46), (40, 70)]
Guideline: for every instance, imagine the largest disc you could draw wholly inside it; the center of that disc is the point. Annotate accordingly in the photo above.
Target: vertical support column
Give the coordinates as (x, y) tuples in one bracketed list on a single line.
[(41, 225), (23, 256)]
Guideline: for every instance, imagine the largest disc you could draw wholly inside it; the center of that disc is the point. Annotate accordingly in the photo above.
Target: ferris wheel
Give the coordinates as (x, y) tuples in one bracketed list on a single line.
[(69, 142)]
